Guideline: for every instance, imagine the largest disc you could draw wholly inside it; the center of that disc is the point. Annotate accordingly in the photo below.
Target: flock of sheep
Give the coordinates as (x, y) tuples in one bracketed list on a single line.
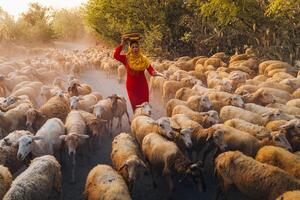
[(241, 112)]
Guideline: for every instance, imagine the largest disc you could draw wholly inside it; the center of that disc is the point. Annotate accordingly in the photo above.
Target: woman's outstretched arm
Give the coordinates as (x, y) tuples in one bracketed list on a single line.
[(153, 72), (118, 56)]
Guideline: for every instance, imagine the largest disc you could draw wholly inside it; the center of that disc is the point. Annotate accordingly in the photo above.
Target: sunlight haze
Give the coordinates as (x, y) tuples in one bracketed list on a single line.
[(16, 7)]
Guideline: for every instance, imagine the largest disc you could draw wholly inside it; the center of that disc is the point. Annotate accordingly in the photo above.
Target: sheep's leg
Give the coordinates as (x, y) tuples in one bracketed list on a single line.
[(73, 168), (168, 178)]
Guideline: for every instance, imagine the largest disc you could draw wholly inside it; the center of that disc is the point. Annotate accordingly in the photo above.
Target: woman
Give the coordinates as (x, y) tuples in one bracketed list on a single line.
[(136, 63)]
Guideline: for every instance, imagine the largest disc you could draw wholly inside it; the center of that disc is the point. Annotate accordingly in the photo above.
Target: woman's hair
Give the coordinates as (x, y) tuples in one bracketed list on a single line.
[(133, 42)]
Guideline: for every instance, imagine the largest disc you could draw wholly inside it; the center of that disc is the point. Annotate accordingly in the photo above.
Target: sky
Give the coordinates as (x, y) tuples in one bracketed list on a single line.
[(16, 7)]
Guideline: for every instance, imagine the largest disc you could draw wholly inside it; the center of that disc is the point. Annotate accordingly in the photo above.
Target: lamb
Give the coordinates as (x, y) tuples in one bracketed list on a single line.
[(76, 129), (290, 195), (57, 106), (196, 103), (5, 180), (103, 182), (280, 158), (165, 156), (259, 132), (143, 125), (257, 180), (126, 158), (41, 180), (246, 143), (45, 142), (119, 108), (184, 93), (9, 149), (205, 119), (83, 102)]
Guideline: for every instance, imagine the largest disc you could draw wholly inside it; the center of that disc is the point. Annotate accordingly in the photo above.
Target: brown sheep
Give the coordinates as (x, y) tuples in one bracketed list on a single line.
[(119, 108), (291, 110), (205, 119), (5, 180), (280, 158), (103, 182), (294, 102), (246, 143), (196, 103), (257, 180), (184, 93), (76, 89), (126, 158), (57, 106), (39, 181), (165, 156)]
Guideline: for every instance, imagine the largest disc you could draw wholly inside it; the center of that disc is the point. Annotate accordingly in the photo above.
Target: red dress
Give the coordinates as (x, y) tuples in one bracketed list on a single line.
[(136, 82)]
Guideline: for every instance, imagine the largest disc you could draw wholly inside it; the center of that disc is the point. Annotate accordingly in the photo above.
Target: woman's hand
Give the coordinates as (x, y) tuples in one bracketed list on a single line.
[(124, 39), (156, 73)]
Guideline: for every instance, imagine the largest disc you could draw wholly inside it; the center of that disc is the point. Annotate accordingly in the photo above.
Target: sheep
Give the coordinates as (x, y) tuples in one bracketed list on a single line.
[(278, 86), (5, 180), (184, 93), (76, 89), (9, 149), (83, 102), (294, 103), (292, 129), (280, 158), (296, 94), (30, 92), (233, 100), (143, 125), (156, 83), (170, 87), (119, 108), (257, 180), (247, 143), (103, 182), (142, 110), (126, 158), (196, 103), (181, 121), (94, 125), (290, 195), (275, 125), (103, 110), (10, 83), (231, 112), (45, 142), (259, 132), (57, 106), (76, 129), (41, 180), (258, 109), (292, 82), (205, 119), (291, 110), (14, 119), (165, 156)]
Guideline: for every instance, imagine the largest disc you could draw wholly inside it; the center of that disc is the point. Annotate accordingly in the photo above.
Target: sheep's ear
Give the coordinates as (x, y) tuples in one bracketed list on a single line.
[(62, 137), (37, 138), (124, 165), (83, 136)]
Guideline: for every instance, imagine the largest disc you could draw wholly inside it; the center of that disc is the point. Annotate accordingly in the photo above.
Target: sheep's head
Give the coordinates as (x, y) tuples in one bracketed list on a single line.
[(210, 118), (146, 108), (225, 86), (96, 126), (237, 77), (280, 140), (275, 115), (73, 140), (26, 145), (185, 135), (235, 100), (134, 167), (217, 138), (165, 126), (267, 98), (98, 110), (31, 116), (293, 126), (205, 103), (74, 102), (10, 100)]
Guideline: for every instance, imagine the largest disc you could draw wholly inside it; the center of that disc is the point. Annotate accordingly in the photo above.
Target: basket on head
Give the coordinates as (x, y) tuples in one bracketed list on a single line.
[(133, 36)]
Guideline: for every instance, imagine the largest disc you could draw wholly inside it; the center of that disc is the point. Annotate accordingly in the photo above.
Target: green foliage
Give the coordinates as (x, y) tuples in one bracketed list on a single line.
[(68, 24)]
